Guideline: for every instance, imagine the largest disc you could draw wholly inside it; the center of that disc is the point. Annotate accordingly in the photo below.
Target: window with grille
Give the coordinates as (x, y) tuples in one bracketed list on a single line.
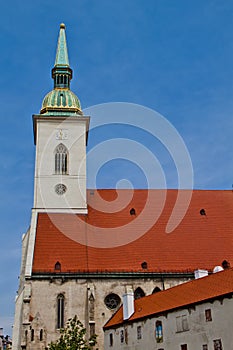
[(61, 159)]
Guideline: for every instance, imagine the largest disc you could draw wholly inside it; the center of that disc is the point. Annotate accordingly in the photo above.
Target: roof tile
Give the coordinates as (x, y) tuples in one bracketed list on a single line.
[(197, 291), (199, 241)]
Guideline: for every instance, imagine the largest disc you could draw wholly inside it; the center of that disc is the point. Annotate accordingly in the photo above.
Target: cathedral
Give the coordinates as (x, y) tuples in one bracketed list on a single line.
[(73, 259)]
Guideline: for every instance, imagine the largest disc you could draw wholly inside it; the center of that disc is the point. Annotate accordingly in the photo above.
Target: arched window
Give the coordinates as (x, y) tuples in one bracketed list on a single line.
[(61, 159), (41, 334), (158, 331), (60, 311), (138, 293), (156, 290)]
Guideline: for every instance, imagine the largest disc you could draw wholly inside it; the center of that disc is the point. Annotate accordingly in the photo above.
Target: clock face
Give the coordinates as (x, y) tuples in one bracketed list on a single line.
[(60, 189)]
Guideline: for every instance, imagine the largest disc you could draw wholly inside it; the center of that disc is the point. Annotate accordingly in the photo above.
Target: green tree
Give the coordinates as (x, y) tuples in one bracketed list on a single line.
[(73, 337)]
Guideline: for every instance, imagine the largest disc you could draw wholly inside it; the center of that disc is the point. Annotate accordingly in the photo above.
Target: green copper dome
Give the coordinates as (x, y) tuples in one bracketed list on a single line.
[(61, 100)]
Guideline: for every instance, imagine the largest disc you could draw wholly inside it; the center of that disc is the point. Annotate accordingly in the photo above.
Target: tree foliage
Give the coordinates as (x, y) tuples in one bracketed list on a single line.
[(73, 337)]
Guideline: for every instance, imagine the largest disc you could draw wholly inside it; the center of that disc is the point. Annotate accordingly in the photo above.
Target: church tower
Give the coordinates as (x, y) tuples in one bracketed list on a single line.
[(60, 134), (66, 267)]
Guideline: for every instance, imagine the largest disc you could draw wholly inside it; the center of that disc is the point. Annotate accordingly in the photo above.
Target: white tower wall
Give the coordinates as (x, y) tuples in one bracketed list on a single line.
[(50, 132)]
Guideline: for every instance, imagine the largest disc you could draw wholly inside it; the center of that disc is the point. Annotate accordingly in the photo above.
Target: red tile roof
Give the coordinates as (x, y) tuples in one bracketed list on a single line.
[(199, 241), (197, 291)]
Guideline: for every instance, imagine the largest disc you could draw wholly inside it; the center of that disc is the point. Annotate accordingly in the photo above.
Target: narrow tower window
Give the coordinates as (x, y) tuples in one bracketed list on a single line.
[(61, 158), (60, 311)]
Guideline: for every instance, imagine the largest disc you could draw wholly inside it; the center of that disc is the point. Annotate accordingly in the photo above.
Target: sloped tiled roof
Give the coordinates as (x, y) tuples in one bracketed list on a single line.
[(197, 291), (93, 242)]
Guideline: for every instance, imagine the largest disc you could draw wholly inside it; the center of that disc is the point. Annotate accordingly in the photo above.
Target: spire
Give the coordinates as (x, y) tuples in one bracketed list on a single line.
[(62, 73), (61, 100), (62, 59)]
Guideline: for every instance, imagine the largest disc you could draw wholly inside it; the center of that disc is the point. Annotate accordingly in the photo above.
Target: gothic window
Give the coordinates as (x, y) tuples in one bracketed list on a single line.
[(138, 293), (112, 301), (60, 311), (61, 159), (158, 331), (156, 290)]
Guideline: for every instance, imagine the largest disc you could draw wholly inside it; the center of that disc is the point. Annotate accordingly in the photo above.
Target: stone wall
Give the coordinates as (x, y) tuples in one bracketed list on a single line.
[(82, 297)]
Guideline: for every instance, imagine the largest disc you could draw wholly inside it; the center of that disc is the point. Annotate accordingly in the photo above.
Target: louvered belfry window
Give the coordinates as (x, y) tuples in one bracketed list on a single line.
[(61, 159)]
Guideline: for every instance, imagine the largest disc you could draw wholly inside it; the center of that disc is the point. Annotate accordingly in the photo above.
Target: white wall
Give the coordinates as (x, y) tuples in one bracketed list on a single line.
[(47, 140), (200, 332)]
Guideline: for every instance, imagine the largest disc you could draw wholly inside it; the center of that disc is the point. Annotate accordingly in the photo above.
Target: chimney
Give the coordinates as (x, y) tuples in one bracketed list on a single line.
[(128, 304), (200, 273)]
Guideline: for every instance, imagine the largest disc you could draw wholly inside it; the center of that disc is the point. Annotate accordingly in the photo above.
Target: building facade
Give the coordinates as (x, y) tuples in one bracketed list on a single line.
[(195, 315), (73, 261)]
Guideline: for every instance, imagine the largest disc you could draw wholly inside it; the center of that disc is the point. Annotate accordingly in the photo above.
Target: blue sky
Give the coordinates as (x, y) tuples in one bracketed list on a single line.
[(175, 57)]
